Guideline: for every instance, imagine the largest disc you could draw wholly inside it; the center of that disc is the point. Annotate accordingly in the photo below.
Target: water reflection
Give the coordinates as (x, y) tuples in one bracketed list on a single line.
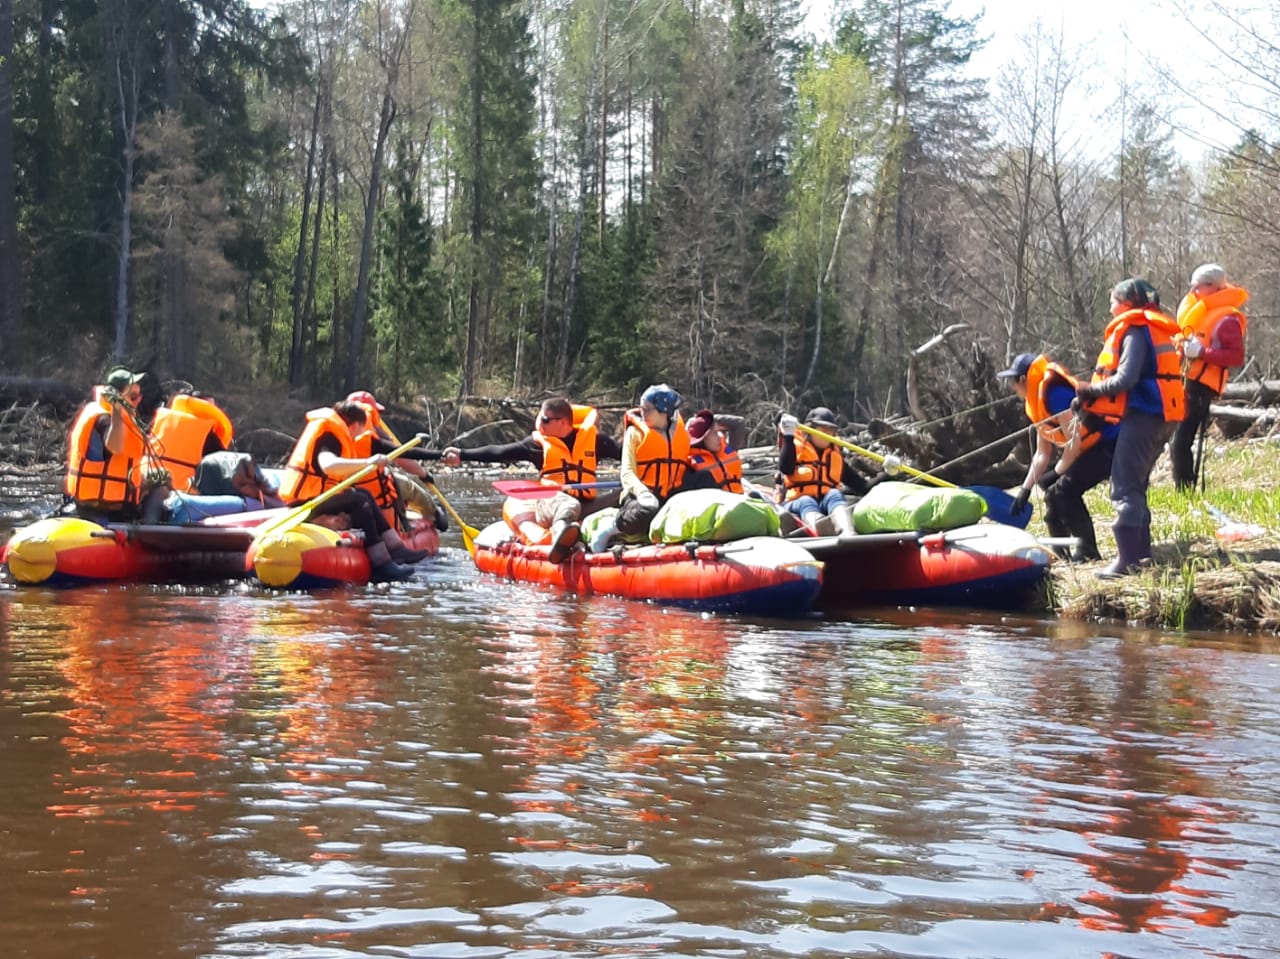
[(462, 767)]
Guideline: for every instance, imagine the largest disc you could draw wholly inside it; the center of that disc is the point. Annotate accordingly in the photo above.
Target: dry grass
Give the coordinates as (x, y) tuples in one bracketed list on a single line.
[(1197, 581)]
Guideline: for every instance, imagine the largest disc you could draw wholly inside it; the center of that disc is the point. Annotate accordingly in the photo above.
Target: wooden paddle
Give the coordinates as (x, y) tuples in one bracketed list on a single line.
[(469, 533), (299, 513), (999, 503), (534, 489)]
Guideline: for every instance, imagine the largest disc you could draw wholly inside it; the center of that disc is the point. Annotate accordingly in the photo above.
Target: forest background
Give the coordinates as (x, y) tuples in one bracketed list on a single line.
[(432, 198)]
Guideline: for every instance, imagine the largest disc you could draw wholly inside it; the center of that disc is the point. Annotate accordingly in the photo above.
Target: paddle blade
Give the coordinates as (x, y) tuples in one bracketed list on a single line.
[(526, 489), (469, 533), (1000, 506)]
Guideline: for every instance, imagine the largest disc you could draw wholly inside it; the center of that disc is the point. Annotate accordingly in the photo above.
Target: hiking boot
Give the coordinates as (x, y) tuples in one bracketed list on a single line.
[(390, 572), (564, 537)]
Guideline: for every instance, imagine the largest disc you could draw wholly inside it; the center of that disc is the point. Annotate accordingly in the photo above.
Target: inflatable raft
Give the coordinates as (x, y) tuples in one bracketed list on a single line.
[(985, 565), (764, 576), (70, 551)]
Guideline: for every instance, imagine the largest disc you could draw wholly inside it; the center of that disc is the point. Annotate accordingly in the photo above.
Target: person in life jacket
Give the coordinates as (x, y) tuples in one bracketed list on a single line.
[(1084, 451), (655, 465), (566, 447), (184, 431), (400, 486), (105, 450), (324, 455), (1137, 380), (1212, 328), (708, 453), (814, 474)]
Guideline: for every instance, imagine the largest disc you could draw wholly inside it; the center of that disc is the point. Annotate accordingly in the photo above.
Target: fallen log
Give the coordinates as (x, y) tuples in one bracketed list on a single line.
[(1253, 392), (1235, 421)]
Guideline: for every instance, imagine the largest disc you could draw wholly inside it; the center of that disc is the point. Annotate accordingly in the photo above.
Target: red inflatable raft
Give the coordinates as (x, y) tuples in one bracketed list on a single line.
[(985, 565), (69, 551), (762, 575)]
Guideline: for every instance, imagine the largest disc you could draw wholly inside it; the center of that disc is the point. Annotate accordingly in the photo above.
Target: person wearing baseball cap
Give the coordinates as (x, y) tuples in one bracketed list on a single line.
[(1084, 449), (814, 473), (105, 450)]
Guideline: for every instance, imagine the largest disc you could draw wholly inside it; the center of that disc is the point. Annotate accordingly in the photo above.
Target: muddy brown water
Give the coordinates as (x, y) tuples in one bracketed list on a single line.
[(466, 768)]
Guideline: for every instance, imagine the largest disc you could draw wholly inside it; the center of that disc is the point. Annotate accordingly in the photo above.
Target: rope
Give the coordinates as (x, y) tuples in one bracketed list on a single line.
[(914, 427), (987, 446)]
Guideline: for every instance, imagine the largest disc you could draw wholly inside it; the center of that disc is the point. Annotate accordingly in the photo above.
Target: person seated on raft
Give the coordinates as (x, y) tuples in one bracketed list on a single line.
[(1087, 444), (406, 473), (324, 456), (564, 447), (228, 473), (184, 430), (814, 474), (655, 465), (106, 446), (708, 452)]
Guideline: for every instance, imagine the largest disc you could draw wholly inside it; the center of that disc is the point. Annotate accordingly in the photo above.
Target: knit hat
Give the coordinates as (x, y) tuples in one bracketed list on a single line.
[(699, 424)]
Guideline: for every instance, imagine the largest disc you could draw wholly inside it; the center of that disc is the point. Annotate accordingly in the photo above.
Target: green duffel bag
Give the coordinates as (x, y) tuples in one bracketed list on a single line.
[(712, 516), (901, 507)]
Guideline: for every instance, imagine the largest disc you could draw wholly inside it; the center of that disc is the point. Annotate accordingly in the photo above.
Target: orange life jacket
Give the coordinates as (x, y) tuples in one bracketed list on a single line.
[(113, 482), (206, 410), (727, 470), (380, 484), (1168, 365), (1201, 316), (1041, 376), (302, 481), (177, 445), (661, 458), (816, 473), (560, 464)]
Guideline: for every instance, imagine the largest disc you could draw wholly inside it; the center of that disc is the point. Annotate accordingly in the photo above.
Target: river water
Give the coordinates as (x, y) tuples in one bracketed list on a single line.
[(459, 767)]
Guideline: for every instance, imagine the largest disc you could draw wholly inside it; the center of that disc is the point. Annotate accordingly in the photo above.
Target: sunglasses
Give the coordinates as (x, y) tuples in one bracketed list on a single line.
[(544, 418)]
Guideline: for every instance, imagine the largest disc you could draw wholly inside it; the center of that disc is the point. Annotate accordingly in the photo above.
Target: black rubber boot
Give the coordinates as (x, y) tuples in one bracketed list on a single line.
[(1128, 552), (405, 555), (383, 569)]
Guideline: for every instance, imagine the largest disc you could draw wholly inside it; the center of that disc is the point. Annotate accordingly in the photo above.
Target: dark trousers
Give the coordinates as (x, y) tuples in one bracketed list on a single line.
[(362, 509), (633, 520), (1065, 513), (1182, 448)]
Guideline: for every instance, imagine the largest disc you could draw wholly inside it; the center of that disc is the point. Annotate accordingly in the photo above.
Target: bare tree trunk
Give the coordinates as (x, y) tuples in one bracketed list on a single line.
[(128, 116), (477, 212), (602, 124), (297, 340), (310, 326), (360, 307), (10, 292)]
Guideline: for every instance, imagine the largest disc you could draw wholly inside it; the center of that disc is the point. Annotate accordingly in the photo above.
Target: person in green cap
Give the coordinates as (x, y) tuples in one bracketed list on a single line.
[(105, 449)]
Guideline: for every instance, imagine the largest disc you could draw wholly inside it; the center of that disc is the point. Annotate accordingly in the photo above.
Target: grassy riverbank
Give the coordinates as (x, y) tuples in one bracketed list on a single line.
[(1198, 579)]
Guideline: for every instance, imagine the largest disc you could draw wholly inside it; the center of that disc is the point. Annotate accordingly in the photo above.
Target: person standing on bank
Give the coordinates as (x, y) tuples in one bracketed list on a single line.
[(1137, 380), (1213, 325), (1048, 391)]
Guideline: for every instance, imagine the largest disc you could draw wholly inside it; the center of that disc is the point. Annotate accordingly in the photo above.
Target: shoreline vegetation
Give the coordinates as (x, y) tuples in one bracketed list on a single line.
[(1207, 574)]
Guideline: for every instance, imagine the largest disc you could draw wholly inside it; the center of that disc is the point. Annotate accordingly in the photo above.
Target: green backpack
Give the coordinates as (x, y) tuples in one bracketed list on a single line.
[(712, 516), (902, 507)]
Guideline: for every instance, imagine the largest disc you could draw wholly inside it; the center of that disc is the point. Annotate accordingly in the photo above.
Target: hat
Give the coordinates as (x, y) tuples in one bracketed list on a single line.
[(1209, 274), (821, 416), (662, 398), (365, 398), (700, 423), (1018, 368), (1136, 292), (121, 378)]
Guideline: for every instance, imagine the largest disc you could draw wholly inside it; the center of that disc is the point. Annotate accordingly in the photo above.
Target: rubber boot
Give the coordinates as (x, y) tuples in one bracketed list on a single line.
[(383, 568), (604, 537), (401, 553), (1144, 545), (1058, 530), (564, 537), (842, 520), (1128, 552), (1080, 525)]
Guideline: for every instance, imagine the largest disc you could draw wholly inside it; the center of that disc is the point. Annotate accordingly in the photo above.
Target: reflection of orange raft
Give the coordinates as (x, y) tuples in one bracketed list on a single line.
[(985, 565), (68, 550), (761, 575)]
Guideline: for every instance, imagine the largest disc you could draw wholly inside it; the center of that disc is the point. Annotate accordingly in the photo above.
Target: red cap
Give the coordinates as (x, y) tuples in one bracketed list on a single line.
[(365, 398)]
